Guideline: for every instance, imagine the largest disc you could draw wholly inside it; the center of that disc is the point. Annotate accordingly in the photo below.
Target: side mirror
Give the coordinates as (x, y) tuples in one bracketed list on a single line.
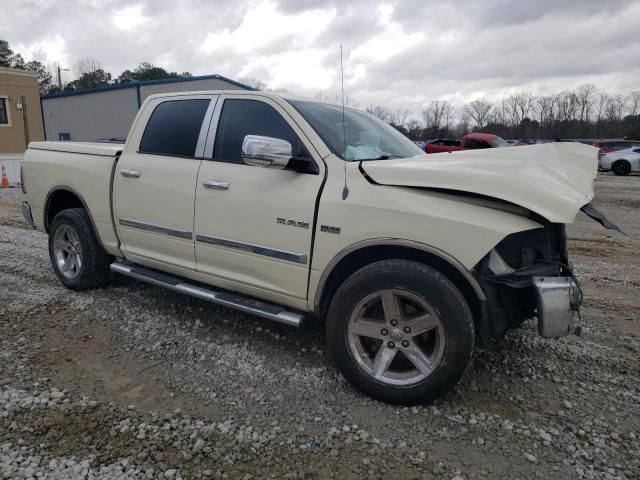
[(260, 151)]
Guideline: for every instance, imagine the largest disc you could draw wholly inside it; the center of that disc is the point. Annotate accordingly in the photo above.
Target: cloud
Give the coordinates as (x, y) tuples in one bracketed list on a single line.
[(129, 18), (401, 53), (263, 26)]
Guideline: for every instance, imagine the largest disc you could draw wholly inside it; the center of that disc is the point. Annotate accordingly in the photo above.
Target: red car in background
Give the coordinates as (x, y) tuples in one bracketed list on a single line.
[(471, 141), (614, 145)]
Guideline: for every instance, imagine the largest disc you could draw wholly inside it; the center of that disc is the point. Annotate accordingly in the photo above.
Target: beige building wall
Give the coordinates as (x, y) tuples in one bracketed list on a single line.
[(19, 89)]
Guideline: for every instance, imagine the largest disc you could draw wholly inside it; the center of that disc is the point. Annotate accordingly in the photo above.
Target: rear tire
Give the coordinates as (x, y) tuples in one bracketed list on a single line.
[(400, 332), (621, 168), (76, 255)]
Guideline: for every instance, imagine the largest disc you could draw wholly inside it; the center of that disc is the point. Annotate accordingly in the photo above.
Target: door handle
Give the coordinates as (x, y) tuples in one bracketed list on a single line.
[(216, 185), (130, 173)]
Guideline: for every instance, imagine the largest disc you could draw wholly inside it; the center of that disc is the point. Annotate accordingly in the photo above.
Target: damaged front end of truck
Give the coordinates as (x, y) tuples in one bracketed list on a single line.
[(528, 273)]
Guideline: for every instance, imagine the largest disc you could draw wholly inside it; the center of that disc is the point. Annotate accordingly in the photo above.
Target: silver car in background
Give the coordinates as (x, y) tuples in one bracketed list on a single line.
[(621, 162)]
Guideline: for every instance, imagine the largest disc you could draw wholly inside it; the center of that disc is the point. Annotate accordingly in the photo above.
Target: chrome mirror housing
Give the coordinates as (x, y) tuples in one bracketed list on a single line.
[(260, 151)]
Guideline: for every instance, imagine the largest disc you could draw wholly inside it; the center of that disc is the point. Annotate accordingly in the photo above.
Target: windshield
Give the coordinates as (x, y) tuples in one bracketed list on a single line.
[(498, 142), (360, 137)]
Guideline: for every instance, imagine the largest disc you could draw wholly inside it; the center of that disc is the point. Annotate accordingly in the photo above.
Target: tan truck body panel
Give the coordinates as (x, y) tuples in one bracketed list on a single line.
[(415, 208)]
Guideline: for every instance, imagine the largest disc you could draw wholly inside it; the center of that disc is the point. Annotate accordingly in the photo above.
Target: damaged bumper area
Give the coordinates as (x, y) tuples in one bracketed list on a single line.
[(558, 299), (528, 275)]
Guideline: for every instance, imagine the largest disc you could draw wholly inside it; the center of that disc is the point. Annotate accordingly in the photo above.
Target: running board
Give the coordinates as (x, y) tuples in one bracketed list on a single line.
[(226, 299)]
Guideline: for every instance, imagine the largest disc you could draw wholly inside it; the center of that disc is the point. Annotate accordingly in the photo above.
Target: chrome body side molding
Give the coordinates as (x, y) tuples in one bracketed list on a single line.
[(253, 248), (152, 227), (227, 299)]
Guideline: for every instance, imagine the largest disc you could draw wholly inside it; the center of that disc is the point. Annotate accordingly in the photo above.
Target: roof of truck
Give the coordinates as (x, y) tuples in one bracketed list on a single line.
[(262, 93)]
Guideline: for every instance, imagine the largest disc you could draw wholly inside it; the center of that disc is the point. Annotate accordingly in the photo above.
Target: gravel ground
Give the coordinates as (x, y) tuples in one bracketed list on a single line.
[(136, 382)]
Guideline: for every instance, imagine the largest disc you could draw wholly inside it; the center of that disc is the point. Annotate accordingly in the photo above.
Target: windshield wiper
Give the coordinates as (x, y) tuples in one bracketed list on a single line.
[(381, 157)]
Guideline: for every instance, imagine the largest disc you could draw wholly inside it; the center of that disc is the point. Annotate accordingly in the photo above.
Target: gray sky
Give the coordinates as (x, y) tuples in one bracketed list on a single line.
[(401, 54)]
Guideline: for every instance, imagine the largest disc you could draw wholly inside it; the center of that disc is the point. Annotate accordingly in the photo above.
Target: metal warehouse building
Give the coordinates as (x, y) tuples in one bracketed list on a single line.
[(108, 112)]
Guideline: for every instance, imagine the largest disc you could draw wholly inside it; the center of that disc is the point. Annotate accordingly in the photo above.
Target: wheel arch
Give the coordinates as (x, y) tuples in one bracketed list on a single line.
[(363, 253), (61, 198)]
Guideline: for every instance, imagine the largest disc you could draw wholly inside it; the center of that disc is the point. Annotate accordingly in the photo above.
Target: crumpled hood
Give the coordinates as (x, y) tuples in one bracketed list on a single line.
[(553, 180)]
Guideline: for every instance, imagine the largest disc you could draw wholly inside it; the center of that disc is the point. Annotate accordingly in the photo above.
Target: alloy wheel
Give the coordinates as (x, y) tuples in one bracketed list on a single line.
[(396, 337), (67, 251)]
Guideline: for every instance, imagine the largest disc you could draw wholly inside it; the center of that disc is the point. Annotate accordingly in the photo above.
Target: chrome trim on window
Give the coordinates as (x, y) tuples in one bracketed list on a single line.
[(204, 129), (253, 248), (213, 129), (151, 227)]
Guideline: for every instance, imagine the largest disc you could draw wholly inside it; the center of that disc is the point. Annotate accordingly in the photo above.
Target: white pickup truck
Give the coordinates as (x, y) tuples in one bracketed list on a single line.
[(290, 208)]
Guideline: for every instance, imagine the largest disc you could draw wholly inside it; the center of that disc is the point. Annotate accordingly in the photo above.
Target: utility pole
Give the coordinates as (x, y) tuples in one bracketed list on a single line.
[(60, 77)]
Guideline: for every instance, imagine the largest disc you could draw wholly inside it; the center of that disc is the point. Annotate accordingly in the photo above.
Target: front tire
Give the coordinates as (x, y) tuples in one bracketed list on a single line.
[(400, 332), (76, 255), (621, 168)]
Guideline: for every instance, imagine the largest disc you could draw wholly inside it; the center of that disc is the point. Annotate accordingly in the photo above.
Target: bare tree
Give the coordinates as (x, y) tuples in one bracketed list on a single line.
[(414, 128), (448, 115), (479, 111), (86, 65), (432, 116), (379, 111), (602, 98), (438, 116), (586, 98), (633, 103), (464, 123), (545, 105), (567, 103), (519, 105), (500, 113), (615, 108), (399, 117)]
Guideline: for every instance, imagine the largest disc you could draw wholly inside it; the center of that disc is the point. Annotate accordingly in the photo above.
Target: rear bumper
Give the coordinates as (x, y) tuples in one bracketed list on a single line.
[(557, 301), (26, 213)]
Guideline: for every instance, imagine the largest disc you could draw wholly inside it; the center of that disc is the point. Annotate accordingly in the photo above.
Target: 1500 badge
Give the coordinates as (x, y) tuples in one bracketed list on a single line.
[(329, 229), (292, 223)]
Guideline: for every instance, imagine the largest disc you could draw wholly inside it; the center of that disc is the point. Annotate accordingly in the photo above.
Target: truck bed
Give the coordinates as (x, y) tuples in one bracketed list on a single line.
[(86, 171), (89, 148)]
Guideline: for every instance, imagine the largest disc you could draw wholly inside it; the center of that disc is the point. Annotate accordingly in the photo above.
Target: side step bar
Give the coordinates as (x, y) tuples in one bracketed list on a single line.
[(227, 299)]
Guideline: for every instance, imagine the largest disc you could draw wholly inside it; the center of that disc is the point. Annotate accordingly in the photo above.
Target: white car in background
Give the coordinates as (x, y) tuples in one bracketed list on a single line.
[(622, 162)]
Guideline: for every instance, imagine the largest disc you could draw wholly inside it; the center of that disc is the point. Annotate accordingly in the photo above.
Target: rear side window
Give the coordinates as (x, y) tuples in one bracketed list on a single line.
[(174, 127), (251, 117)]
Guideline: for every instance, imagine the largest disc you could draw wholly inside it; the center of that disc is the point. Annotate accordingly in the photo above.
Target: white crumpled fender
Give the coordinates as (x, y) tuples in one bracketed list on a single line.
[(553, 180)]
